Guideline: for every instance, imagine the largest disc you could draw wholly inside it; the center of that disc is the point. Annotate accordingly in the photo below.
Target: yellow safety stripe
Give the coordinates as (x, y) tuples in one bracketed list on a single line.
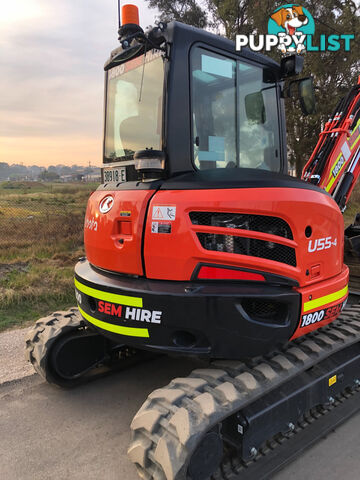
[(357, 125), (329, 185), (333, 165), (109, 297), (354, 144), (358, 137), (128, 331), (320, 302)]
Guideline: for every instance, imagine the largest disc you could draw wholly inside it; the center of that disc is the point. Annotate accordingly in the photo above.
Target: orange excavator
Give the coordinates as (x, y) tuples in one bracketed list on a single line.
[(198, 243)]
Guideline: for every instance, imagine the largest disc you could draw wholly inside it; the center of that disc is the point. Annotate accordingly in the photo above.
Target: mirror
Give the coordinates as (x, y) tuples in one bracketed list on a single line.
[(307, 96), (255, 108)]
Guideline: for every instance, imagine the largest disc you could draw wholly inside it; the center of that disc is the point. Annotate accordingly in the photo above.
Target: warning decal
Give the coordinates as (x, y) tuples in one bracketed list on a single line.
[(164, 213), (157, 227)]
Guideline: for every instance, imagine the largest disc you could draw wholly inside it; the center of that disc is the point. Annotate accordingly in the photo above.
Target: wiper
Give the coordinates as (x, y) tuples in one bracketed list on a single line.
[(142, 77), (123, 56)]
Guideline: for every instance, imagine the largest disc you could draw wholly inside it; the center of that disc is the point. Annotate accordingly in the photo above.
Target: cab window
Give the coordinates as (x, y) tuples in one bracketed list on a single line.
[(235, 120)]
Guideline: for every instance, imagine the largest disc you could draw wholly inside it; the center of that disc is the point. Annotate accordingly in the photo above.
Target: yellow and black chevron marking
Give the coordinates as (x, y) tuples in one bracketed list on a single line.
[(116, 299)]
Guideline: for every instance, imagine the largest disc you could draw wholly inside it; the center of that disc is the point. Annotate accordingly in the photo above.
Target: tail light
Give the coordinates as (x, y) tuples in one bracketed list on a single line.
[(225, 273)]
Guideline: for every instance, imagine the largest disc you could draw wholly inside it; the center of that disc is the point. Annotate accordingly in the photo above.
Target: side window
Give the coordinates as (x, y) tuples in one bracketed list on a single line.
[(258, 123), (234, 114), (213, 110)]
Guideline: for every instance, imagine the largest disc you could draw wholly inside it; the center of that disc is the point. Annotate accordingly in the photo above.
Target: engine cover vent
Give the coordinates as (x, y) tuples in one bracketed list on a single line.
[(258, 223), (248, 246)]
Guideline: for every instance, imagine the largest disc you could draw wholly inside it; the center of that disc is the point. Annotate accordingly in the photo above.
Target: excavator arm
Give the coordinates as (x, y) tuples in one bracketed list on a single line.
[(335, 162)]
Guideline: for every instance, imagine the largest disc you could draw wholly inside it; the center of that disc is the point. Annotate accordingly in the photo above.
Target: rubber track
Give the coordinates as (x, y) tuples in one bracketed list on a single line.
[(43, 335), (172, 421)]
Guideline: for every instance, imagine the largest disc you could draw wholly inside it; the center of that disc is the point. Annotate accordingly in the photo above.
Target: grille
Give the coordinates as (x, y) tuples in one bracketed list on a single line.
[(258, 223), (265, 310), (248, 246)]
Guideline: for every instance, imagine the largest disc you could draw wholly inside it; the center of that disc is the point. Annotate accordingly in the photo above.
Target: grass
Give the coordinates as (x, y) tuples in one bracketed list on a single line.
[(41, 238)]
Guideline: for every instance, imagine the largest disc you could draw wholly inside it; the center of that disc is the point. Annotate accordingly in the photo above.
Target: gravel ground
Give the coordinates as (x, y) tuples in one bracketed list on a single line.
[(13, 365)]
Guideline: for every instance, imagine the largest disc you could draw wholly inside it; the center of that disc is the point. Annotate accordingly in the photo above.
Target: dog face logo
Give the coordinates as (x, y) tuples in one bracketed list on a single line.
[(290, 18), (291, 22)]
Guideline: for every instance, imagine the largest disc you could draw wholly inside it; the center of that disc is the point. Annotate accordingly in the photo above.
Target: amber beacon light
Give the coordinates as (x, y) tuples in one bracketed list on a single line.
[(130, 14), (129, 27)]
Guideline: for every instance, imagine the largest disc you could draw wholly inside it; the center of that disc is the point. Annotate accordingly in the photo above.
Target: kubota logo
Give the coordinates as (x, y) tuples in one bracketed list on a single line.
[(106, 204)]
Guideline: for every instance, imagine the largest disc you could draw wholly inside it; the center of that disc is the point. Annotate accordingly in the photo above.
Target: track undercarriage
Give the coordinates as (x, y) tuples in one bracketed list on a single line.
[(67, 353), (231, 420)]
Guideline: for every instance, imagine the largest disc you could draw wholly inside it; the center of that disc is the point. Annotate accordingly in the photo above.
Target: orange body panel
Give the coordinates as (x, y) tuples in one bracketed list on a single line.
[(113, 239), (174, 256), (328, 310)]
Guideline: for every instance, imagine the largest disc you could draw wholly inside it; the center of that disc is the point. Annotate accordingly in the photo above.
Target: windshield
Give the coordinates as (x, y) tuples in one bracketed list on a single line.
[(234, 114), (134, 107)]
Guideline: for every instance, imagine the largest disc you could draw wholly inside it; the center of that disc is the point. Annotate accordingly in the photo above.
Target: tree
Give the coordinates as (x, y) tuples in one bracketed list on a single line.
[(230, 16), (48, 176), (334, 72), (186, 11)]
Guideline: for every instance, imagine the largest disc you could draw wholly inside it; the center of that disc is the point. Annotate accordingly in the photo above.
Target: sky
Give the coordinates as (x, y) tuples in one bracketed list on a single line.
[(51, 78)]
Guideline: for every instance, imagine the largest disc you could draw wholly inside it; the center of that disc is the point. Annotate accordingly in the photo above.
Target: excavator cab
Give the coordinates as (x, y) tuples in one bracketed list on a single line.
[(179, 99)]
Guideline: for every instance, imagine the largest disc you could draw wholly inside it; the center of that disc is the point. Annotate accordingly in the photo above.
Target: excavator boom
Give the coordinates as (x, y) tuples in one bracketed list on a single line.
[(334, 164)]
